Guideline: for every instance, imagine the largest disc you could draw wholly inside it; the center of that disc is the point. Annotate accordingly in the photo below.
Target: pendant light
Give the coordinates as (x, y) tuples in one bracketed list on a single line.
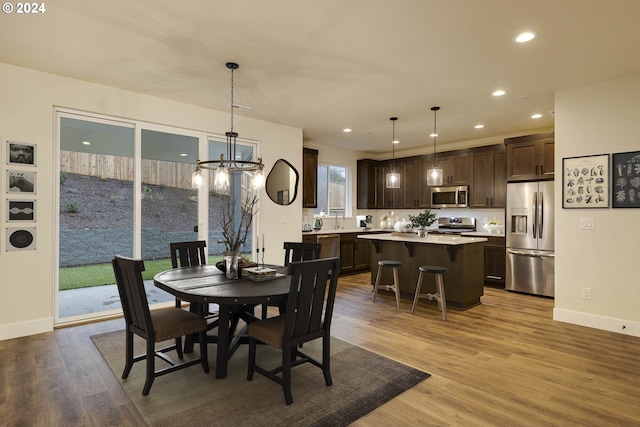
[(225, 166), (434, 175), (393, 178)]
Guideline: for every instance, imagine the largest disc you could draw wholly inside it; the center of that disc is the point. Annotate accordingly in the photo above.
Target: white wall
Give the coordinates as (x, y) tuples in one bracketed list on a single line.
[(590, 120), (27, 115)]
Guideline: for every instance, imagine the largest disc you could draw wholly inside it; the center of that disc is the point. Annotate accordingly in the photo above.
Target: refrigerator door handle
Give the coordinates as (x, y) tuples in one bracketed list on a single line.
[(530, 254), (535, 214), (540, 214)]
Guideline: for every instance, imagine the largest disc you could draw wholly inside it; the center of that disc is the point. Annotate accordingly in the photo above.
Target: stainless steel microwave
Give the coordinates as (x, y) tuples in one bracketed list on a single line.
[(450, 197)]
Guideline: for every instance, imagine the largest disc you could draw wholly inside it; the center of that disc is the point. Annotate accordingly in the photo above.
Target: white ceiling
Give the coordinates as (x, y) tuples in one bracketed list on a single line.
[(326, 65)]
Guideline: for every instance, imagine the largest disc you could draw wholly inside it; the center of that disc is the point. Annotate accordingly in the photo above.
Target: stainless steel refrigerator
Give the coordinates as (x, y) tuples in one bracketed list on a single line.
[(529, 231)]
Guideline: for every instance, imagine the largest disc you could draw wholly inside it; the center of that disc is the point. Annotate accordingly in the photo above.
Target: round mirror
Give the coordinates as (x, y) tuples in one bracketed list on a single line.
[(282, 183)]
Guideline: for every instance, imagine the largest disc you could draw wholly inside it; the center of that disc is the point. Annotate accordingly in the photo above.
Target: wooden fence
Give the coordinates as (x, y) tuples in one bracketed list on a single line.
[(154, 172)]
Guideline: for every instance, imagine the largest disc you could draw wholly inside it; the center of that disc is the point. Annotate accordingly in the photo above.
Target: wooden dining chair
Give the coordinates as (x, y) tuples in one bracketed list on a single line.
[(186, 254), (154, 326), (295, 252), (300, 251), (308, 317)]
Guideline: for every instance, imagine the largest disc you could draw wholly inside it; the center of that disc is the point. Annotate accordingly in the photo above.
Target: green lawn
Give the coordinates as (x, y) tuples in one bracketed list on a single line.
[(102, 274)]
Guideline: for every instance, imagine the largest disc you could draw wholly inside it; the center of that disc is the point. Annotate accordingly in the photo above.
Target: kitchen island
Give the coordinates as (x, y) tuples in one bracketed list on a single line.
[(462, 256)]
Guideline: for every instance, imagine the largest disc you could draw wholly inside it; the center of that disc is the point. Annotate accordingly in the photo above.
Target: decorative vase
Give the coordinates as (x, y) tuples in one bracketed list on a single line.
[(422, 232), (231, 264)]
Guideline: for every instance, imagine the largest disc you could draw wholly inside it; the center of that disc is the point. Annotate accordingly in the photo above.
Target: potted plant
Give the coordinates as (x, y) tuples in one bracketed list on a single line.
[(422, 221)]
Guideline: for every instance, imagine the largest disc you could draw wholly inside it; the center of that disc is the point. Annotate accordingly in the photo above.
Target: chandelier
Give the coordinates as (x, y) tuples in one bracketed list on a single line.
[(224, 167)]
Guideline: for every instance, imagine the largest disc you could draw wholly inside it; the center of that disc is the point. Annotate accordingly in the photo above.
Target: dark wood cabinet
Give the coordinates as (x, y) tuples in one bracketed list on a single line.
[(309, 178), (413, 183), (488, 178), (495, 260), (530, 157), (484, 169), (367, 188), (355, 254), (455, 168)]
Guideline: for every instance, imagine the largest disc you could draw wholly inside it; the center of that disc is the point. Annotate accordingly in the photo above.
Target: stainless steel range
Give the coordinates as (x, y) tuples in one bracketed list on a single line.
[(454, 225)]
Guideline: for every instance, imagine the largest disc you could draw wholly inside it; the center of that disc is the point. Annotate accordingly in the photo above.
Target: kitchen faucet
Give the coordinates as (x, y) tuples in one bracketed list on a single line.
[(335, 219)]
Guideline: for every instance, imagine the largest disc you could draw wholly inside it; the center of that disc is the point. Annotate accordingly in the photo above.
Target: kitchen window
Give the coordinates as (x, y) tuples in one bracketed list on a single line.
[(333, 190)]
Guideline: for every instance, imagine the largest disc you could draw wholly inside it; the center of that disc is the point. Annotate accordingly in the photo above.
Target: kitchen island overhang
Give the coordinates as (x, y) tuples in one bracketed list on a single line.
[(462, 256)]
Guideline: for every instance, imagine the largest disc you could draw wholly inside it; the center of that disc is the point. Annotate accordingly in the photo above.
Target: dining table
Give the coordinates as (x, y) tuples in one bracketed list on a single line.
[(236, 298)]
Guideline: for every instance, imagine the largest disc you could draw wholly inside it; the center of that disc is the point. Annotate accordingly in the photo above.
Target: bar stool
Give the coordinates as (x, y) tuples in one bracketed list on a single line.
[(396, 283), (439, 295)]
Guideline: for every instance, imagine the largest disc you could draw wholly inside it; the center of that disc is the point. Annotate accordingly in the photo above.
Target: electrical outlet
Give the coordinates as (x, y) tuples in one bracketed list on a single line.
[(586, 293)]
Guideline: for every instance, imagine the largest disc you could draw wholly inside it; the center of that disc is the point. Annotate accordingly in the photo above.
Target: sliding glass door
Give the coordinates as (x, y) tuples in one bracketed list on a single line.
[(125, 189), (169, 206), (96, 217)]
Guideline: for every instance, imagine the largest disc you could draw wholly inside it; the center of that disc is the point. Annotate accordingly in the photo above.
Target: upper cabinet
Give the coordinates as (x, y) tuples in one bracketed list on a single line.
[(530, 157), (368, 187), (455, 168), (489, 178), (484, 169), (309, 178), (417, 194)]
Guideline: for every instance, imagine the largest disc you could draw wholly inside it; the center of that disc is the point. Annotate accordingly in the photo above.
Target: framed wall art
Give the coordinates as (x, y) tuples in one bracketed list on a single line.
[(21, 210), (21, 239), (21, 182), (625, 180), (585, 182), (21, 154)]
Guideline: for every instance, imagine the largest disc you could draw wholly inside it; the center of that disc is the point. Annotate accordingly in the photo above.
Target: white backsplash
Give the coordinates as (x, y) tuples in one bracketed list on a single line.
[(331, 223)]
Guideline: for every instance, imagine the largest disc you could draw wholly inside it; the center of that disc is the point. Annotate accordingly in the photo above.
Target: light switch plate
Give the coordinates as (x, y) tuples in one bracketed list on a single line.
[(587, 224)]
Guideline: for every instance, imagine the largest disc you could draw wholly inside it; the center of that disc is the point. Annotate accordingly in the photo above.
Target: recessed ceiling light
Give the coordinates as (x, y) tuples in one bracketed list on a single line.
[(183, 154), (433, 135), (498, 92), (86, 143), (479, 126), (527, 36), (346, 130), (395, 141), (536, 116)]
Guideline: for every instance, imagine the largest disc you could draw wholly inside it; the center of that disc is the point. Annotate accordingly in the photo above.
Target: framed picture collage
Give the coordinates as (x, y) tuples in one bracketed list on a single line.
[(20, 188)]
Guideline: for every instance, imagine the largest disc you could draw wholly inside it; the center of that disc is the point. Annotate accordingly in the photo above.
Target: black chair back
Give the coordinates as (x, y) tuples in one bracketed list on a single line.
[(128, 272), (186, 254), (300, 251), (310, 302)]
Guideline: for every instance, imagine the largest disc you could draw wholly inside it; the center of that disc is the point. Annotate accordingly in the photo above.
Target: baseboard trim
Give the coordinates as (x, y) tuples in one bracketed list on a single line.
[(23, 329), (604, 323)]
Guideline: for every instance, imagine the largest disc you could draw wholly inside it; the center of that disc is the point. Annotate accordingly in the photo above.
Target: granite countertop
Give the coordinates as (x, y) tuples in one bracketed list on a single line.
[(439, 239)]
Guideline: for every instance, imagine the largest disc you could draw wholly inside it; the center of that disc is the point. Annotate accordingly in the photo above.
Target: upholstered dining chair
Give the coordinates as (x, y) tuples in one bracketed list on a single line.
[(308, 317), (154, 326), (295, 252)]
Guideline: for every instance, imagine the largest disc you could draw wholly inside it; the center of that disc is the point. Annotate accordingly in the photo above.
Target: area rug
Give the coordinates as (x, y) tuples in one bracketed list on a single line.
[(362, 381)]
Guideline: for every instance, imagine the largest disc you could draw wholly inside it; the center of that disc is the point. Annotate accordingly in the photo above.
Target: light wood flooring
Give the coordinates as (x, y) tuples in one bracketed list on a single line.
[(504, 363)]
